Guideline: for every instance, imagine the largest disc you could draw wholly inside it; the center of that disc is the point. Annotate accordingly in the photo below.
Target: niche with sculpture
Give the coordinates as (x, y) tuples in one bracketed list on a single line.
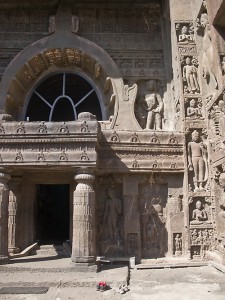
[(110, 220), (149, 106), (177, 244), (202, 240), (189, 65), (197, 162), (154, 235), (199, 212), (185, 33), (193, 108)]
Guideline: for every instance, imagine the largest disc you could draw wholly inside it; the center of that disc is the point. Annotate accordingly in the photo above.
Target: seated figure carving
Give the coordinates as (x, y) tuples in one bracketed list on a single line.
[(199, 214), (193, 111)]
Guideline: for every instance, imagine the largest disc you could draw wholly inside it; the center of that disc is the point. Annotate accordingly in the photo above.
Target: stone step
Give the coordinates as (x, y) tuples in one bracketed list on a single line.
[(52, 250), (170, 265)]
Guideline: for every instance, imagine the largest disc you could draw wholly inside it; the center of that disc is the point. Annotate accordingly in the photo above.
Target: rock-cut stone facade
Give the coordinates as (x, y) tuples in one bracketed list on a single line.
[(123, 103)]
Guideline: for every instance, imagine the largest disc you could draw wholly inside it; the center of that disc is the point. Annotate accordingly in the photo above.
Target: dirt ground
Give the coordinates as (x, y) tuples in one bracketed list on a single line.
[(191, 283)]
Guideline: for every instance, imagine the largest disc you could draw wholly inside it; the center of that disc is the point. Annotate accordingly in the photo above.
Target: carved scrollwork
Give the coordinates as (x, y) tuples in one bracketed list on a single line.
[(134, 138), (135, 164), (84, 127), (84, 156), (63, 156), (114, 137), (2, 130), (19, 157), (42, 128), (63, 129), (41, 157), (20, 128), (154, 139)]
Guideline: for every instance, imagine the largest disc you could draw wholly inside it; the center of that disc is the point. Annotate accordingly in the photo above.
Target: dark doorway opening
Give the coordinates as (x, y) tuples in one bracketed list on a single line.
[(53, 213)]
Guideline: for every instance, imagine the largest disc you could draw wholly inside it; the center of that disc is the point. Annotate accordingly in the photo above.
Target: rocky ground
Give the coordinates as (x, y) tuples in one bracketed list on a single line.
[(194, 283)]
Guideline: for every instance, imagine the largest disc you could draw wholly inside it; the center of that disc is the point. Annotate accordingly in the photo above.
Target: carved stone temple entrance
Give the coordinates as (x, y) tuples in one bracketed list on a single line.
[(112, 129), (52, 213)]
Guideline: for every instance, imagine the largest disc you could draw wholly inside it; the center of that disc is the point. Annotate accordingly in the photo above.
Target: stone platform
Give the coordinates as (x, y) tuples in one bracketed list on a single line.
[(57, 274), (55, 271)]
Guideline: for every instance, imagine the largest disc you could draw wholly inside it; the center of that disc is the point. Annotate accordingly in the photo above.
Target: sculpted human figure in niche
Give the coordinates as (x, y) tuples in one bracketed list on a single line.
[(113, 208), (153, 105), (196, 161), (190, 77), (207, 59), (223, 65), (193, 111), (199, 214), (178, 243), (185, 36)]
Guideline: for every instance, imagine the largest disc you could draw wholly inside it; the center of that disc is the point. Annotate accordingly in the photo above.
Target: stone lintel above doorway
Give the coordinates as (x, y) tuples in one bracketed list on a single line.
[(52, 144)]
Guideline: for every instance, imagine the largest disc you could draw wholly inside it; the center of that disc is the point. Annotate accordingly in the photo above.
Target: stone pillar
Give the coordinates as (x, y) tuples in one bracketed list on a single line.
[(4, 202), (84, 243), (14, 202)]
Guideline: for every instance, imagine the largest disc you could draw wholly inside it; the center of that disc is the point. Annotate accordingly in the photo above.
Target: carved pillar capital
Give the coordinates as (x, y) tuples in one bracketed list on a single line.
[(84, 178), (4, 202)]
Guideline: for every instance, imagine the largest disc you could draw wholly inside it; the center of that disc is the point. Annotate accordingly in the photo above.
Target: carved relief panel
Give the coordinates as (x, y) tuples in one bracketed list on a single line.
[(152, 202), (185, 33), (149, 105), (110, 235), (189, 65), (197, 162)]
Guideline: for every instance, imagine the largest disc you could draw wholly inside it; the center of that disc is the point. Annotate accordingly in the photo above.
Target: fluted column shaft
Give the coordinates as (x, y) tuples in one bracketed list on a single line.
[(4, 202), (84, 243), (14, 202)]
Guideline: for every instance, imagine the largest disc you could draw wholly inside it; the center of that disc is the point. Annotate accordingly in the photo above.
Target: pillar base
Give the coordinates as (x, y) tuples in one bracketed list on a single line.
[(14, 250), (84, 267), (4, 260), (84, 260)]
